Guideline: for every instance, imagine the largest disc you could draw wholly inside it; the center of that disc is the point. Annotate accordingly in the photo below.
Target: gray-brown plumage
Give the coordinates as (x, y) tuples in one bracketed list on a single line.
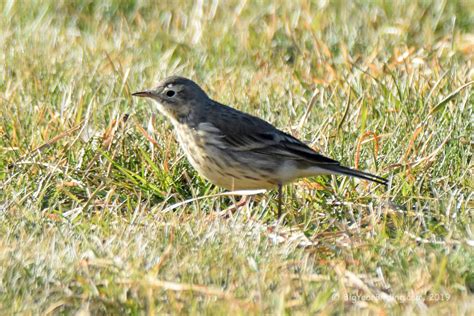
[(236, 150)]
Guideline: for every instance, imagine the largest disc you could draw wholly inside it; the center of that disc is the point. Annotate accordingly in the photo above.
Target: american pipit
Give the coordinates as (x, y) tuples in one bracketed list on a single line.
[(236, 150)]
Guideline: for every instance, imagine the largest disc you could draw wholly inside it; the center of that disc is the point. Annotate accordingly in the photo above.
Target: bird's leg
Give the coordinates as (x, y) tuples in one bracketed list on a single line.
[(280, 193), (242, 202)]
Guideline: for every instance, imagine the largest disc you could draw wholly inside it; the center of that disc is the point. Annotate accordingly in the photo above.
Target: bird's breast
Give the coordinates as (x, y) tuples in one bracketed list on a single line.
[(217, 164)]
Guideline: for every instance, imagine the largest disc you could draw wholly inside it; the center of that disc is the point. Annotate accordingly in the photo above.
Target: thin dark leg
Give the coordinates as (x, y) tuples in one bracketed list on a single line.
[(280, 193)]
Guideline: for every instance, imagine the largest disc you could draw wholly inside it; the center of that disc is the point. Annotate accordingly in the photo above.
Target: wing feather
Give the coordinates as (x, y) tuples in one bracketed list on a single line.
[(241, 132)]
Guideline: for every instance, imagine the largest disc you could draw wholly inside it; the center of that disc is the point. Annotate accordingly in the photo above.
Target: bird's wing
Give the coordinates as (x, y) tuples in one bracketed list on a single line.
[(240, 132)]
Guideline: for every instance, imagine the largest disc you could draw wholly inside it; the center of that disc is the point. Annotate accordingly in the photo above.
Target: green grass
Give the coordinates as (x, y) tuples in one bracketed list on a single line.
[(85, 196)]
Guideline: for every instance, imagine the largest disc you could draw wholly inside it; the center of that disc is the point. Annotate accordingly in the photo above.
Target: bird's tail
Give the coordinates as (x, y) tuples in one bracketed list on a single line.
[(338, 169)]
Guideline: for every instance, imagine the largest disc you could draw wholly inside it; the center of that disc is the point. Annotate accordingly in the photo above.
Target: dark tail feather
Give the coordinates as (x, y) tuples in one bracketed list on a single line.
[(356, 173)]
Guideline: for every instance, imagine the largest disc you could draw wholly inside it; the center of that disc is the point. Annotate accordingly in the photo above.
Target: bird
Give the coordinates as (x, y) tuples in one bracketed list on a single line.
[(236, 150)]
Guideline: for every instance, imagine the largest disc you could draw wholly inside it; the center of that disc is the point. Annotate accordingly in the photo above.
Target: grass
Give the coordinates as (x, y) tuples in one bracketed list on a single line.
[(88, 174)]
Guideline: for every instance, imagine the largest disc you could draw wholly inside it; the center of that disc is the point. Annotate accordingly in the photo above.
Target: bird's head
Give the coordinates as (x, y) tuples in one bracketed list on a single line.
[(176, 97)]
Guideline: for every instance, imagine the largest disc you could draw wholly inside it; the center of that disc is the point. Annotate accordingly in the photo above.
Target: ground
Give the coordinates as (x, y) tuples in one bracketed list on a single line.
[(92, 182)]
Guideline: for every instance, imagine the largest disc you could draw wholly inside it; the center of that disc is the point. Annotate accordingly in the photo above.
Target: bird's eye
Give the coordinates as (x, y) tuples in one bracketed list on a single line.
[(170, 93)]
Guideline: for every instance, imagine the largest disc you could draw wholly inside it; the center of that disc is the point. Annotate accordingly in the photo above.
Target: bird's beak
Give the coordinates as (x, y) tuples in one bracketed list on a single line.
[(143, 94)]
